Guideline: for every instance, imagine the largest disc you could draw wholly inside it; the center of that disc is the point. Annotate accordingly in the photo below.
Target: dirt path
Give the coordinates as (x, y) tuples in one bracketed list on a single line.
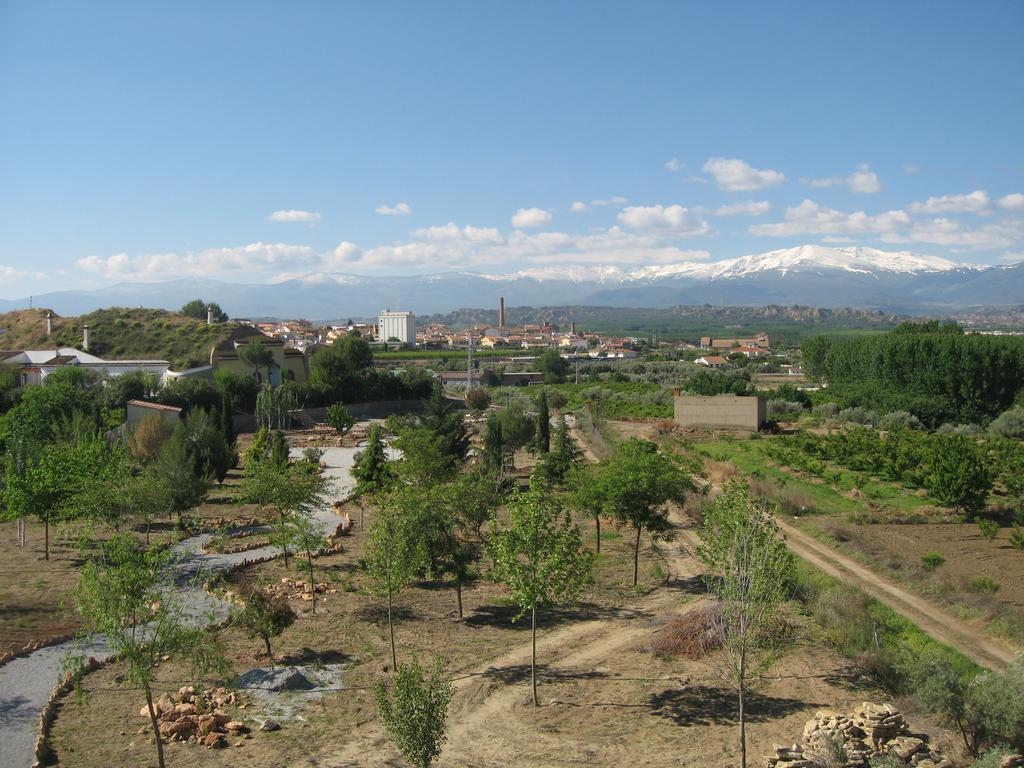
[(483, 700), (941, 625)]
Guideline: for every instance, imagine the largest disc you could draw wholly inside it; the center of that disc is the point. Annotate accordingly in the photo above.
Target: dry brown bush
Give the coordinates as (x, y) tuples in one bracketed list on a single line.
[(148, 437), (691, 635)]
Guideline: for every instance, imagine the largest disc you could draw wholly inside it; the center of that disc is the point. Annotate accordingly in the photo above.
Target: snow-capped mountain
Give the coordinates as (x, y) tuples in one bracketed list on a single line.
[(811, 275)]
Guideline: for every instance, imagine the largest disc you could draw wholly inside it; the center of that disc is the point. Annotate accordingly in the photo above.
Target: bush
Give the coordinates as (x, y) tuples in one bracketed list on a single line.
[(968, 430), (988, 528), (341, 418), (993, 758), (858, 415), (557, 400), (148, 437), (985, 585), (1008, 424), (826, 410), (932, 560), (1017, 537), (777, 409), (478, 400), (899, 420)]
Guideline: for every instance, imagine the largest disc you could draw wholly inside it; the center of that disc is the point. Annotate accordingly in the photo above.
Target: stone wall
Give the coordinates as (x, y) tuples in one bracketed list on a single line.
[(719, 412)]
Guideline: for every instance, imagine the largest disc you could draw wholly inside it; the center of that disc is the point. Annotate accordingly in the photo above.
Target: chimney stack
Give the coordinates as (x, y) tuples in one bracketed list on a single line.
[(572, 329), (209, 314), (501, 312), (49, 324), (85, 337)]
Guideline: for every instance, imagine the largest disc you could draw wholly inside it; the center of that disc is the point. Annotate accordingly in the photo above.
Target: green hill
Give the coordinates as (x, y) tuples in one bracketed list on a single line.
[(118, 333)]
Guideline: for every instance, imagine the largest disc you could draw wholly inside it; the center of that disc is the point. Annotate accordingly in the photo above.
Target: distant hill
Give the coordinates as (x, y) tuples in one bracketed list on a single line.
[(118, 334)]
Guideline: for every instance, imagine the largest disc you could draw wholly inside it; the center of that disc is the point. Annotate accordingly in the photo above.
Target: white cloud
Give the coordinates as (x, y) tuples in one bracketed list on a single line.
[(676, 219), (958, 237), (735, 175), (811, 218), (291, 216), (578, 207), (1012, 202), (10, 273), (613, 200), (254, 257), (674, 165), (749, 208), (531, 217), (451, 231), (863, 181), (1012, 257), (344, 254), (399, 209), (975, 202), (911, 168)]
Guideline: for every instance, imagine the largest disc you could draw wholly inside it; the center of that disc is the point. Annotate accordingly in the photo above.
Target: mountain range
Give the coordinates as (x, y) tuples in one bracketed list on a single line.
[(900, 281)]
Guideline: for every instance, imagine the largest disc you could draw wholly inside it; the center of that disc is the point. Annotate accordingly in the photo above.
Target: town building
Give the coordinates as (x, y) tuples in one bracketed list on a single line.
[(397, 326), (32, 366), (289, 364)]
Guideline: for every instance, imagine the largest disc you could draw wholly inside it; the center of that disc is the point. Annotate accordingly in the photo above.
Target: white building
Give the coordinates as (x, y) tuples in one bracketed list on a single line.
[(397, 325), (32, 366)]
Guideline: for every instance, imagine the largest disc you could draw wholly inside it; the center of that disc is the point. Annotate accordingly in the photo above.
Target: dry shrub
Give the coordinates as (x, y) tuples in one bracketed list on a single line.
[(148, 437), (692, 635), (794, 502), (720, 472), (665, 426)]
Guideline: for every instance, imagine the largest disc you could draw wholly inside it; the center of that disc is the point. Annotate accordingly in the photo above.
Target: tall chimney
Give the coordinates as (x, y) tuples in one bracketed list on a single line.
[(572, 328), (85, 337), (49, 323), (209, 315), (501, 312)]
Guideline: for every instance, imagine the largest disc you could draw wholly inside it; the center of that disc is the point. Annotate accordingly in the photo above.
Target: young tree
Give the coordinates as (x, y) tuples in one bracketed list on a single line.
[(175, 470), (542, 432), (442, 417), (126, 596), (148, 437), (292, 493), (749, 569), (371, 470), (341, 418), (636, 486), (556, 465), (414, 714), (447, 549), (425, 458), (257, 356), (307, 537), (959, 474), (540, 557), (394, 554), (586, 495), (264, 616)]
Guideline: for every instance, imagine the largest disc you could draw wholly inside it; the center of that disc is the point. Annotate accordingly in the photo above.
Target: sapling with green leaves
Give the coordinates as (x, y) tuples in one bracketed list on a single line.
[(748, 570), (413, 710), (371, 469), (127, 597), (264, 616), (394, 553), (539, 556)]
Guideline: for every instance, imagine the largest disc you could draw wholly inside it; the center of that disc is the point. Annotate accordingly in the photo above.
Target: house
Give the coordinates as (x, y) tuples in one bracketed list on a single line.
[(750, 352), (289, 364), (719, 411), (760, 340), (32, 366), (712, 361)]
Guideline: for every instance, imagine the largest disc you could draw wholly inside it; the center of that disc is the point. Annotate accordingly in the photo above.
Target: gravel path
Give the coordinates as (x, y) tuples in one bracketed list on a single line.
[(26, 682)]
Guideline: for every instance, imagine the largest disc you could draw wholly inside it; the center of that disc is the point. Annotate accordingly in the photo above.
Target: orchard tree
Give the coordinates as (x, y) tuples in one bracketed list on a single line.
[(264, 616), (539, 556), (394, 554), (127, 597), (749, 570), (414, 713), (959, 474)]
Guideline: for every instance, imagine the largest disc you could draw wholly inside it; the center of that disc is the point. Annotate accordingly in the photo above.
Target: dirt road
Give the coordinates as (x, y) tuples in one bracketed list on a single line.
[(941, 625)]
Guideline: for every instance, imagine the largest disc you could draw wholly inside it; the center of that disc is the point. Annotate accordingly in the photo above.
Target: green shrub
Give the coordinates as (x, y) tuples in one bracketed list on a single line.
[(1017, 537), (988, 528), (985, 585), (932, 560)]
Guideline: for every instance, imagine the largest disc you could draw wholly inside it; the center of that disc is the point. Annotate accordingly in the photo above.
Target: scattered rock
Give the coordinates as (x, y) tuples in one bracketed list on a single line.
[(270, 725), (193, 715)]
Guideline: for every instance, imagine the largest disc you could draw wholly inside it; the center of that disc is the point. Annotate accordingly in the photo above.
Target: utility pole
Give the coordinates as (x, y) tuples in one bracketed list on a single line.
[(577, 367), (469, 362)]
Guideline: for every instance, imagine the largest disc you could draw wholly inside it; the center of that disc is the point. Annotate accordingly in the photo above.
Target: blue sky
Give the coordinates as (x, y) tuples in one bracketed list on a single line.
[(252, 141)]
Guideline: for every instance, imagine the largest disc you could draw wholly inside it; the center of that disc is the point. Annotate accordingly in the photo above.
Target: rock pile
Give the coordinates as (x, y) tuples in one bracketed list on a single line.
[(832, 739), (297, 589), (196, 717)]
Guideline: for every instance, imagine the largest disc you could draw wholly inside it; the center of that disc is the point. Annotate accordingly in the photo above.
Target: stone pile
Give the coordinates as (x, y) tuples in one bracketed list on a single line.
[(297, 589), (196, 717), (870, 731)]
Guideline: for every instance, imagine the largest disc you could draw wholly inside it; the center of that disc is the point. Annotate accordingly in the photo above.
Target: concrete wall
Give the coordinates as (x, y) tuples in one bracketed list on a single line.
[(720, 412)]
